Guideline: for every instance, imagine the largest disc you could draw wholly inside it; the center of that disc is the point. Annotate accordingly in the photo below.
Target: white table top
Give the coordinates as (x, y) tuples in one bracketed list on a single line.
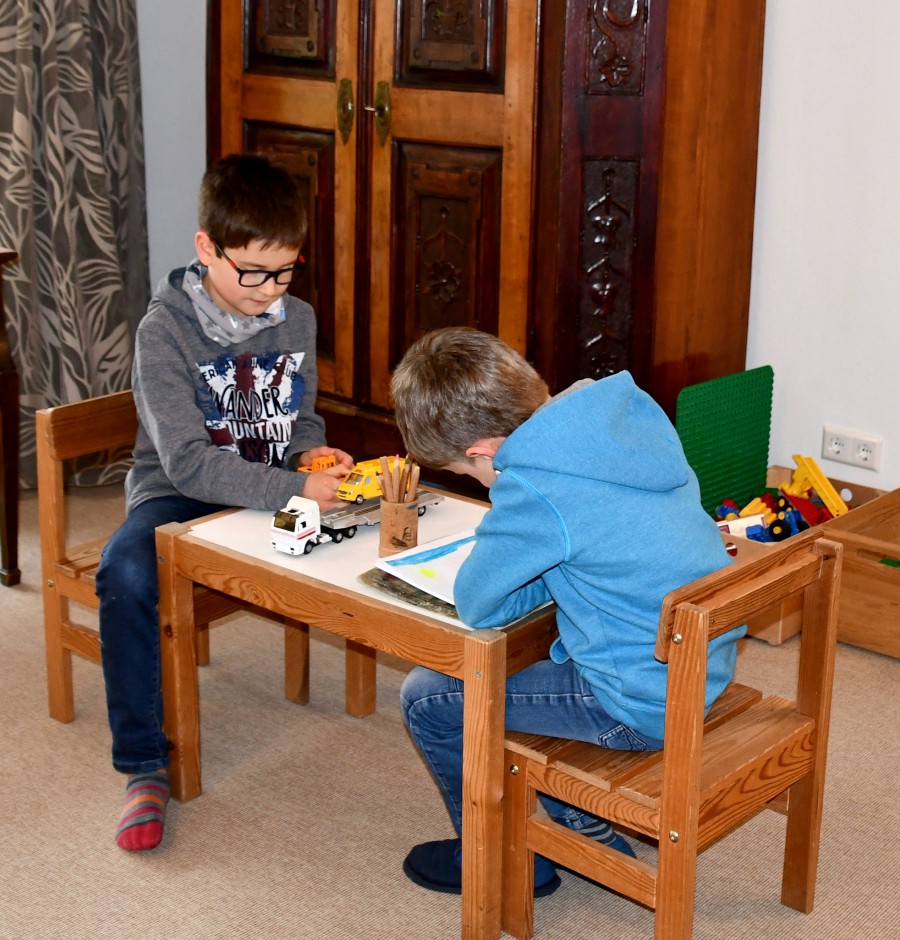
[(247, 531)]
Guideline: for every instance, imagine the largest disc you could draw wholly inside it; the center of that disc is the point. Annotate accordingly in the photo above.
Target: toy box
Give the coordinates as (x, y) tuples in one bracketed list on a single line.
[(870, 580), (783, 621)]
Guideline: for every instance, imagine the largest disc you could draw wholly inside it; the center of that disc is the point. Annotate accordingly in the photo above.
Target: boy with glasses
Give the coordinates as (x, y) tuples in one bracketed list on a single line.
[(224, 381)]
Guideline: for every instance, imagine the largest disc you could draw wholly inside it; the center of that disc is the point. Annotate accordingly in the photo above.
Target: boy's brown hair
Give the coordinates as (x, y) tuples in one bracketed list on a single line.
[(456, 386), (246, 197)]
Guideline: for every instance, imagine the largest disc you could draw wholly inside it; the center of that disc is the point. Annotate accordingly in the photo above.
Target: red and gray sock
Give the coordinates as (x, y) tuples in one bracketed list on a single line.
[(144, 815)]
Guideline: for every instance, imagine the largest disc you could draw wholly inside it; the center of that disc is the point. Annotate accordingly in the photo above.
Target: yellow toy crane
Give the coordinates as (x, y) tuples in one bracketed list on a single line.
[(808, 476)]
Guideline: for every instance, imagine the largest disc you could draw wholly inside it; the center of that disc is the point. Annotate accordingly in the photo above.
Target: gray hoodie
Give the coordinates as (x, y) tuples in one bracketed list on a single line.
[(220, 423)]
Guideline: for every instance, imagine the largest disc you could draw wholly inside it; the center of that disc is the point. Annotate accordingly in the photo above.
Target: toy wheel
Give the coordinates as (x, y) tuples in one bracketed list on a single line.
[(337, 537), (308, 547), (421, 510), (779, 530), (350, 532), (359, 499)]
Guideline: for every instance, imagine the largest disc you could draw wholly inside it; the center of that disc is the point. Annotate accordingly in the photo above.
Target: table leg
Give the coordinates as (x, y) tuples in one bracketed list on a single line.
[(296, 661), (360, 669), (483, 727), (181, 698)]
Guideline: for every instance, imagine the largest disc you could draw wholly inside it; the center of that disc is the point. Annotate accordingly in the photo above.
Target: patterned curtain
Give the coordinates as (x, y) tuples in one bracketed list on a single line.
[(72, 199)]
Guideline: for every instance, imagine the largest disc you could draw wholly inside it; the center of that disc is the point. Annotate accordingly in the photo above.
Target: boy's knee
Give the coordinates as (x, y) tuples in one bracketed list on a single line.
[(129, 575), (421, 683), (128, 565), (426, 688)]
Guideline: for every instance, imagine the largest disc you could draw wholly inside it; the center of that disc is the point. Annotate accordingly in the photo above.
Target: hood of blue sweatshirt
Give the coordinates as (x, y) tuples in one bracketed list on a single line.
[(608, 432)]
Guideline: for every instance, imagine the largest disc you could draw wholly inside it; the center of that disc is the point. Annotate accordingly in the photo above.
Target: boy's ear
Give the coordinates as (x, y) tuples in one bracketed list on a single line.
[(206, 250), (486, 447)]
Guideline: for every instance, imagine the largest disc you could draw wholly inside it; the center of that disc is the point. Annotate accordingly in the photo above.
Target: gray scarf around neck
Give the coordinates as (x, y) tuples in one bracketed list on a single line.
[(221, 327)]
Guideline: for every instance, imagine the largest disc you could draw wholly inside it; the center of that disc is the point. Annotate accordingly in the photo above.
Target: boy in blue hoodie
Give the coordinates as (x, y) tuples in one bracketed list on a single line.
[(593, 507)]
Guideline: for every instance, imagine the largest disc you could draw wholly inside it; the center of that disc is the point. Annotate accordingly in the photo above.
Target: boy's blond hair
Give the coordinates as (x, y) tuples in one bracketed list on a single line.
[(456, 386)]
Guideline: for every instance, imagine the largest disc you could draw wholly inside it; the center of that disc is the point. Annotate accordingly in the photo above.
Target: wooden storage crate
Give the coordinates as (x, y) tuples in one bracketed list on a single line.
[(870, 580), (782, 621)]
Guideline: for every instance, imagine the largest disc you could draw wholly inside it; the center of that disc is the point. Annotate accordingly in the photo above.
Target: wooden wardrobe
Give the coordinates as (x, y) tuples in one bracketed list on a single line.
[(576, 176)]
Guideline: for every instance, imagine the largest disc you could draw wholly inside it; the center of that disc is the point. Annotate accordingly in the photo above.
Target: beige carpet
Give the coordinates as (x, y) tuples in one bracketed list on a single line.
[(306, 814)]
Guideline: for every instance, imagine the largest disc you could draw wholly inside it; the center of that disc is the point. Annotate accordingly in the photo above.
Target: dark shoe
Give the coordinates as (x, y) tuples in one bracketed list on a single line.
[(620, 844), (437, 866)]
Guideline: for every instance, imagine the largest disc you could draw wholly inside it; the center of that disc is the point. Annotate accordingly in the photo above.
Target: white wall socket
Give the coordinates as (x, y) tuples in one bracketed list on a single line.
[(852, 447)]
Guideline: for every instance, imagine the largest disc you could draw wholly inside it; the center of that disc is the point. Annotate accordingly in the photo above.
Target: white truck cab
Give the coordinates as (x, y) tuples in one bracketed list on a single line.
[(298, 527)]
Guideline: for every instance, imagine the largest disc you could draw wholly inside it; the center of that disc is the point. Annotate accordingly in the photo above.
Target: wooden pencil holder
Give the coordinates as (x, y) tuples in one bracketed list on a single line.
[(399, 527)]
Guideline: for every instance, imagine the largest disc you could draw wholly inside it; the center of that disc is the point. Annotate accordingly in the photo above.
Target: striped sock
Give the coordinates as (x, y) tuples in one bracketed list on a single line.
[(601, 831), (141, 825)]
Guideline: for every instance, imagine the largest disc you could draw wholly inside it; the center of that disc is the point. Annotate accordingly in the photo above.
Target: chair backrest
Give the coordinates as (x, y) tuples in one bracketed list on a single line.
[(734, 594), (698, 612), (65, 432)]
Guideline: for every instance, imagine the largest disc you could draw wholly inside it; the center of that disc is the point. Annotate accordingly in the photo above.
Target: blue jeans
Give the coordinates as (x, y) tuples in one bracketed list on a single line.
[(128, 588), (546, 698)]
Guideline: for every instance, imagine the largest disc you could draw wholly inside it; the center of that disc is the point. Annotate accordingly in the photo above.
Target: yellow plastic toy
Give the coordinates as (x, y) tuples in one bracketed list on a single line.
[(808, 476), (362, 482), (757, 507)]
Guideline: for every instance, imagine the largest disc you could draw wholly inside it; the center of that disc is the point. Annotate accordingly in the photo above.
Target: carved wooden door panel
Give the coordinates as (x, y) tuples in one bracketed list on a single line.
[(283, 80), (648, 133), (410, 123), (450, 208), (598, 196)]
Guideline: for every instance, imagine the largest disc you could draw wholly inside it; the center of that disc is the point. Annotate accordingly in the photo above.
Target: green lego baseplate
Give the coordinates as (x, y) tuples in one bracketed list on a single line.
[(724, 426)]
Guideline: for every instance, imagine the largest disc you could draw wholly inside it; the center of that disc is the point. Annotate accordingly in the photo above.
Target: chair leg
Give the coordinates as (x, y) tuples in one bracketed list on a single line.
[(9, 477), (519, 803), (676, 881), (60, 689), (201, 642), (801, 848), (296, 661)]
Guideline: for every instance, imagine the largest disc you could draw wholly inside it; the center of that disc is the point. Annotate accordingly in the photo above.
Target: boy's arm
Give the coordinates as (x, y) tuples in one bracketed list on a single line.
[(519, 539)]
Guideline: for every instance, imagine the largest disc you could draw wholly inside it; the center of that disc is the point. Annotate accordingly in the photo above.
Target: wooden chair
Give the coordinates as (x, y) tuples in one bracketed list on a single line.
[(751, 751), (104, 428)]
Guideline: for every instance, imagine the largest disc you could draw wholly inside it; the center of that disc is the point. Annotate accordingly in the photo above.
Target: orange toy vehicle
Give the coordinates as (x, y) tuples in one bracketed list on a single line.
[(319, 463)]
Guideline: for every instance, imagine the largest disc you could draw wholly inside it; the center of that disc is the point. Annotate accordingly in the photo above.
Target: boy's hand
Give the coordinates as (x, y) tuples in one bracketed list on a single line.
[(322, 487), (344, 461)]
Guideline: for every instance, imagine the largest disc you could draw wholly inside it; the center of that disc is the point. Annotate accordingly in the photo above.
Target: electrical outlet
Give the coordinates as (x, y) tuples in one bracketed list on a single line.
[(852, 447)]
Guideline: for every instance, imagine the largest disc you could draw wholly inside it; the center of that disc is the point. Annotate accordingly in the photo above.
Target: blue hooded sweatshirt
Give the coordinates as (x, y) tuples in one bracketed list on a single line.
[(596, 508)]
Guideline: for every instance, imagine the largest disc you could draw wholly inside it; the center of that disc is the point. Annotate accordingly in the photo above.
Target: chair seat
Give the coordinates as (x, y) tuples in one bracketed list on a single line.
[(625, 787)]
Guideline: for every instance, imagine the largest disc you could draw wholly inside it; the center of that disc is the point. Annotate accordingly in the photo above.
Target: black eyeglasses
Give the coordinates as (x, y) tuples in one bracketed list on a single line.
[(249, 278)]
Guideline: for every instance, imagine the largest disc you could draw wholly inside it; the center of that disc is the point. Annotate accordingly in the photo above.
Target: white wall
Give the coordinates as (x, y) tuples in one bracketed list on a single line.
[(172, 37), (824, 309)]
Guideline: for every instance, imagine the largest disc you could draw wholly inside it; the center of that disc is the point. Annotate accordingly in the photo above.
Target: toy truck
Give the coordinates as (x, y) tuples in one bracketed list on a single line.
[(362, 481), (300, 526), (319, 463)]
